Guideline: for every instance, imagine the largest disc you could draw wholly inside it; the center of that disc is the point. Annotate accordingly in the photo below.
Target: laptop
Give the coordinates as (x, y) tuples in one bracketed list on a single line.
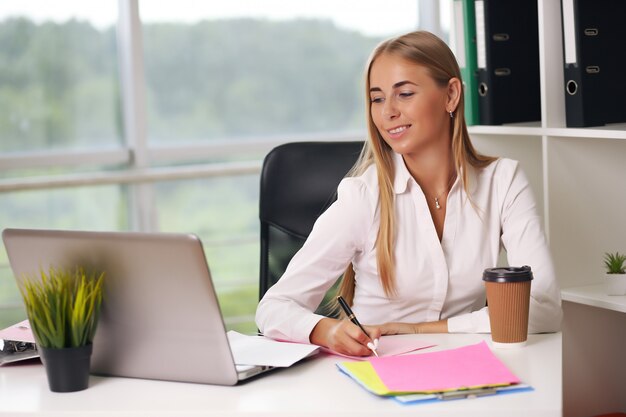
[(160, 317)]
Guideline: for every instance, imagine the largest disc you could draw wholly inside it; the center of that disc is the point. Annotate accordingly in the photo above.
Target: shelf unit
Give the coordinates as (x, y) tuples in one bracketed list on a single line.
[(577, 175), (575, 172)]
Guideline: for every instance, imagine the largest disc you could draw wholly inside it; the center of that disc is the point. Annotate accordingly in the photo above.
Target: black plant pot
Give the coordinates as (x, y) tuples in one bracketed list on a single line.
[(67, 368)]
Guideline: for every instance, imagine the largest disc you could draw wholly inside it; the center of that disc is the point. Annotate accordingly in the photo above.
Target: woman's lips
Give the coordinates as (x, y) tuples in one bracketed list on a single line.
[(398, 131)]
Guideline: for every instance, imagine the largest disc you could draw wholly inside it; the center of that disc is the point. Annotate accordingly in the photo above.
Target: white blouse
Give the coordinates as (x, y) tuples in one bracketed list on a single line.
[(434, 280)]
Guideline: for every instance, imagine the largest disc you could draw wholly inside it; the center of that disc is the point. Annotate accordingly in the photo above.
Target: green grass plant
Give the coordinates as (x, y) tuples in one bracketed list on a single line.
[(63, 306), (614, 263)]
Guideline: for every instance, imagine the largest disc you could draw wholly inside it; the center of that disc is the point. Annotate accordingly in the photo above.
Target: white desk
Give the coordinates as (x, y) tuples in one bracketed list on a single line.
[(311, 388)]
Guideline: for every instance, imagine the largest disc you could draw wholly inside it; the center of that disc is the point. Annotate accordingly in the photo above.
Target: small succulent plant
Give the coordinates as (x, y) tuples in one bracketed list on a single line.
[(614, 263)]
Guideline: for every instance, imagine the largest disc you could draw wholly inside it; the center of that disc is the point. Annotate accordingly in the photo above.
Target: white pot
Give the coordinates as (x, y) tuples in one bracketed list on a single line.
[(615, 284)]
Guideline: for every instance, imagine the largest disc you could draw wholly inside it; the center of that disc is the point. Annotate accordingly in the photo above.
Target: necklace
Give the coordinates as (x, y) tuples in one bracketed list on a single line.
[(437, 205)]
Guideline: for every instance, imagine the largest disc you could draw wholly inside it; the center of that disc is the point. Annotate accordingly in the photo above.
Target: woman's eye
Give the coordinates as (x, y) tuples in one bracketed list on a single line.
[(406, 94), (376, 100)]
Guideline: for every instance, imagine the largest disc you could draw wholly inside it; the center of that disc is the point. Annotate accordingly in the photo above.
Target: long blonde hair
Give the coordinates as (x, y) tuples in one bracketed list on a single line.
[(427, 50)]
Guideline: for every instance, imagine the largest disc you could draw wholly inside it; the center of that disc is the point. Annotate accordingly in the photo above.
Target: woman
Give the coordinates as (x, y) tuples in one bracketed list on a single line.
[(417, 220)]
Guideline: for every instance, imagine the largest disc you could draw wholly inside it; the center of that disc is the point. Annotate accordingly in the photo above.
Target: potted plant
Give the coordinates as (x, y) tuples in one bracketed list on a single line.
[(63, 308), (615, 273)]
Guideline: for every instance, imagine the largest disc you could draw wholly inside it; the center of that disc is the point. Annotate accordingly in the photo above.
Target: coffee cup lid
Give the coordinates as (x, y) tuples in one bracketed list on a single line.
[(508, 274)]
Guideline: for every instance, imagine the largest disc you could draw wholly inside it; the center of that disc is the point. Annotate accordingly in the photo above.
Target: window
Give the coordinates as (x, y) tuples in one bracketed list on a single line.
[(250, 69), (59, 93), (58, 79), (109, 122)]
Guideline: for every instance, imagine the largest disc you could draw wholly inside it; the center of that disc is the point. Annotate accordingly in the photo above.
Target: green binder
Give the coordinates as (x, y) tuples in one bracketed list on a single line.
[(465, 51)]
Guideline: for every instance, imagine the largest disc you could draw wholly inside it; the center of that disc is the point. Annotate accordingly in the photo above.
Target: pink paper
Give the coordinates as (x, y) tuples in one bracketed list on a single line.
[(19, 332), (465, 367), (389, 346)]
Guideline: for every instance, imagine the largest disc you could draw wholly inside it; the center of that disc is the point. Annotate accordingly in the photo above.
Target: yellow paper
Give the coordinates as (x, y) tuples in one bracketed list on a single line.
[(364, 373)]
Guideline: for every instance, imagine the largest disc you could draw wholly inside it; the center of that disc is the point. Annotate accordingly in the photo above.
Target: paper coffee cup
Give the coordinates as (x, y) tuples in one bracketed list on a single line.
[(508, 299)]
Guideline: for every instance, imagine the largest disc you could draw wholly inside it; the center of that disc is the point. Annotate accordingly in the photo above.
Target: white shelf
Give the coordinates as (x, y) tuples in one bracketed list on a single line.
[(602, 132), (509, 129), (595, 296)]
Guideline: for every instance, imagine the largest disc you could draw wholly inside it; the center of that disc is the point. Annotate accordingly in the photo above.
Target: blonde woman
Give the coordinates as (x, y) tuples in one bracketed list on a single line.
[(417, 220)]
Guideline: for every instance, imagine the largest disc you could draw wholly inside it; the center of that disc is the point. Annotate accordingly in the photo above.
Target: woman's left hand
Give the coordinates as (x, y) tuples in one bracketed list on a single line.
[(440, 326)]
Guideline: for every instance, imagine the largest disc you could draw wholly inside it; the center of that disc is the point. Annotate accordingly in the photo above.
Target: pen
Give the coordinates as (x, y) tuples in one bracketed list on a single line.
[(346, 308)]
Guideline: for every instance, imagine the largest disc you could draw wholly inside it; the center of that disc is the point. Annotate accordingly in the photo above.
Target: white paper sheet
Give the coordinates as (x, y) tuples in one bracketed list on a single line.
[(260, 350)]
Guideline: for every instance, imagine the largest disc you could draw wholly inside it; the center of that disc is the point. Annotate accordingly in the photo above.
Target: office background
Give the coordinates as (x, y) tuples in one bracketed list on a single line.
[(109, 122), (112, 123)]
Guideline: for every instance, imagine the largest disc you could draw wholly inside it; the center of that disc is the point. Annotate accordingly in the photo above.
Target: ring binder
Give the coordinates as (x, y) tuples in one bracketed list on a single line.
[(507, 35), (594, 61), (465, 52)]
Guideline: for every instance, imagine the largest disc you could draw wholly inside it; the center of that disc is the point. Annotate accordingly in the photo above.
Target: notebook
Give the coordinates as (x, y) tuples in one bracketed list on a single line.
[(160, 317)]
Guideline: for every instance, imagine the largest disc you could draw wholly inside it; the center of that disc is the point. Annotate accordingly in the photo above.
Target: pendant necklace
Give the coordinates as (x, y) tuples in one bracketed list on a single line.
[(437, 205)]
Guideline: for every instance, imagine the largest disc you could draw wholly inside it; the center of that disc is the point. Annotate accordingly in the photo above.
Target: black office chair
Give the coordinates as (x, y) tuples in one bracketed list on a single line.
[(298, 182)]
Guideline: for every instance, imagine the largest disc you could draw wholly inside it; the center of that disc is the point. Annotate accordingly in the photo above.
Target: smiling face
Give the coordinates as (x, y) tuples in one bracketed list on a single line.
[(407, 105)]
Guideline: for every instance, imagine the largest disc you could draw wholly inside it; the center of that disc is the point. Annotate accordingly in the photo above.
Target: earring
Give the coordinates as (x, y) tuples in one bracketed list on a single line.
[(451, 114)]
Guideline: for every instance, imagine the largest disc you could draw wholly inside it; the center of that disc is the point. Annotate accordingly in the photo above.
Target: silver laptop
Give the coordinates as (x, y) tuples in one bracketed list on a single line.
[(160, 317)]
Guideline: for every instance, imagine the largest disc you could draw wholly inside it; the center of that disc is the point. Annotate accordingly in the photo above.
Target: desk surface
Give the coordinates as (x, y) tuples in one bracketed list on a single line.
[(312, 388)]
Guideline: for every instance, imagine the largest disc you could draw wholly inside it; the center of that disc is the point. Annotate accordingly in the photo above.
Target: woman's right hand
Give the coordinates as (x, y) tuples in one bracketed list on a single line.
[(343, 336)]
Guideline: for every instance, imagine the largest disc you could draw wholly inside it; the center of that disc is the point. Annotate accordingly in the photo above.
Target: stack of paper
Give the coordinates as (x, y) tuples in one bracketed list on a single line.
[(454, 373)]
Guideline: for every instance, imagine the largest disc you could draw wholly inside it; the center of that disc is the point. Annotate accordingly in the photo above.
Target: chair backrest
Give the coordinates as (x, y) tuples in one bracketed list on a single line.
[(298, 182)]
